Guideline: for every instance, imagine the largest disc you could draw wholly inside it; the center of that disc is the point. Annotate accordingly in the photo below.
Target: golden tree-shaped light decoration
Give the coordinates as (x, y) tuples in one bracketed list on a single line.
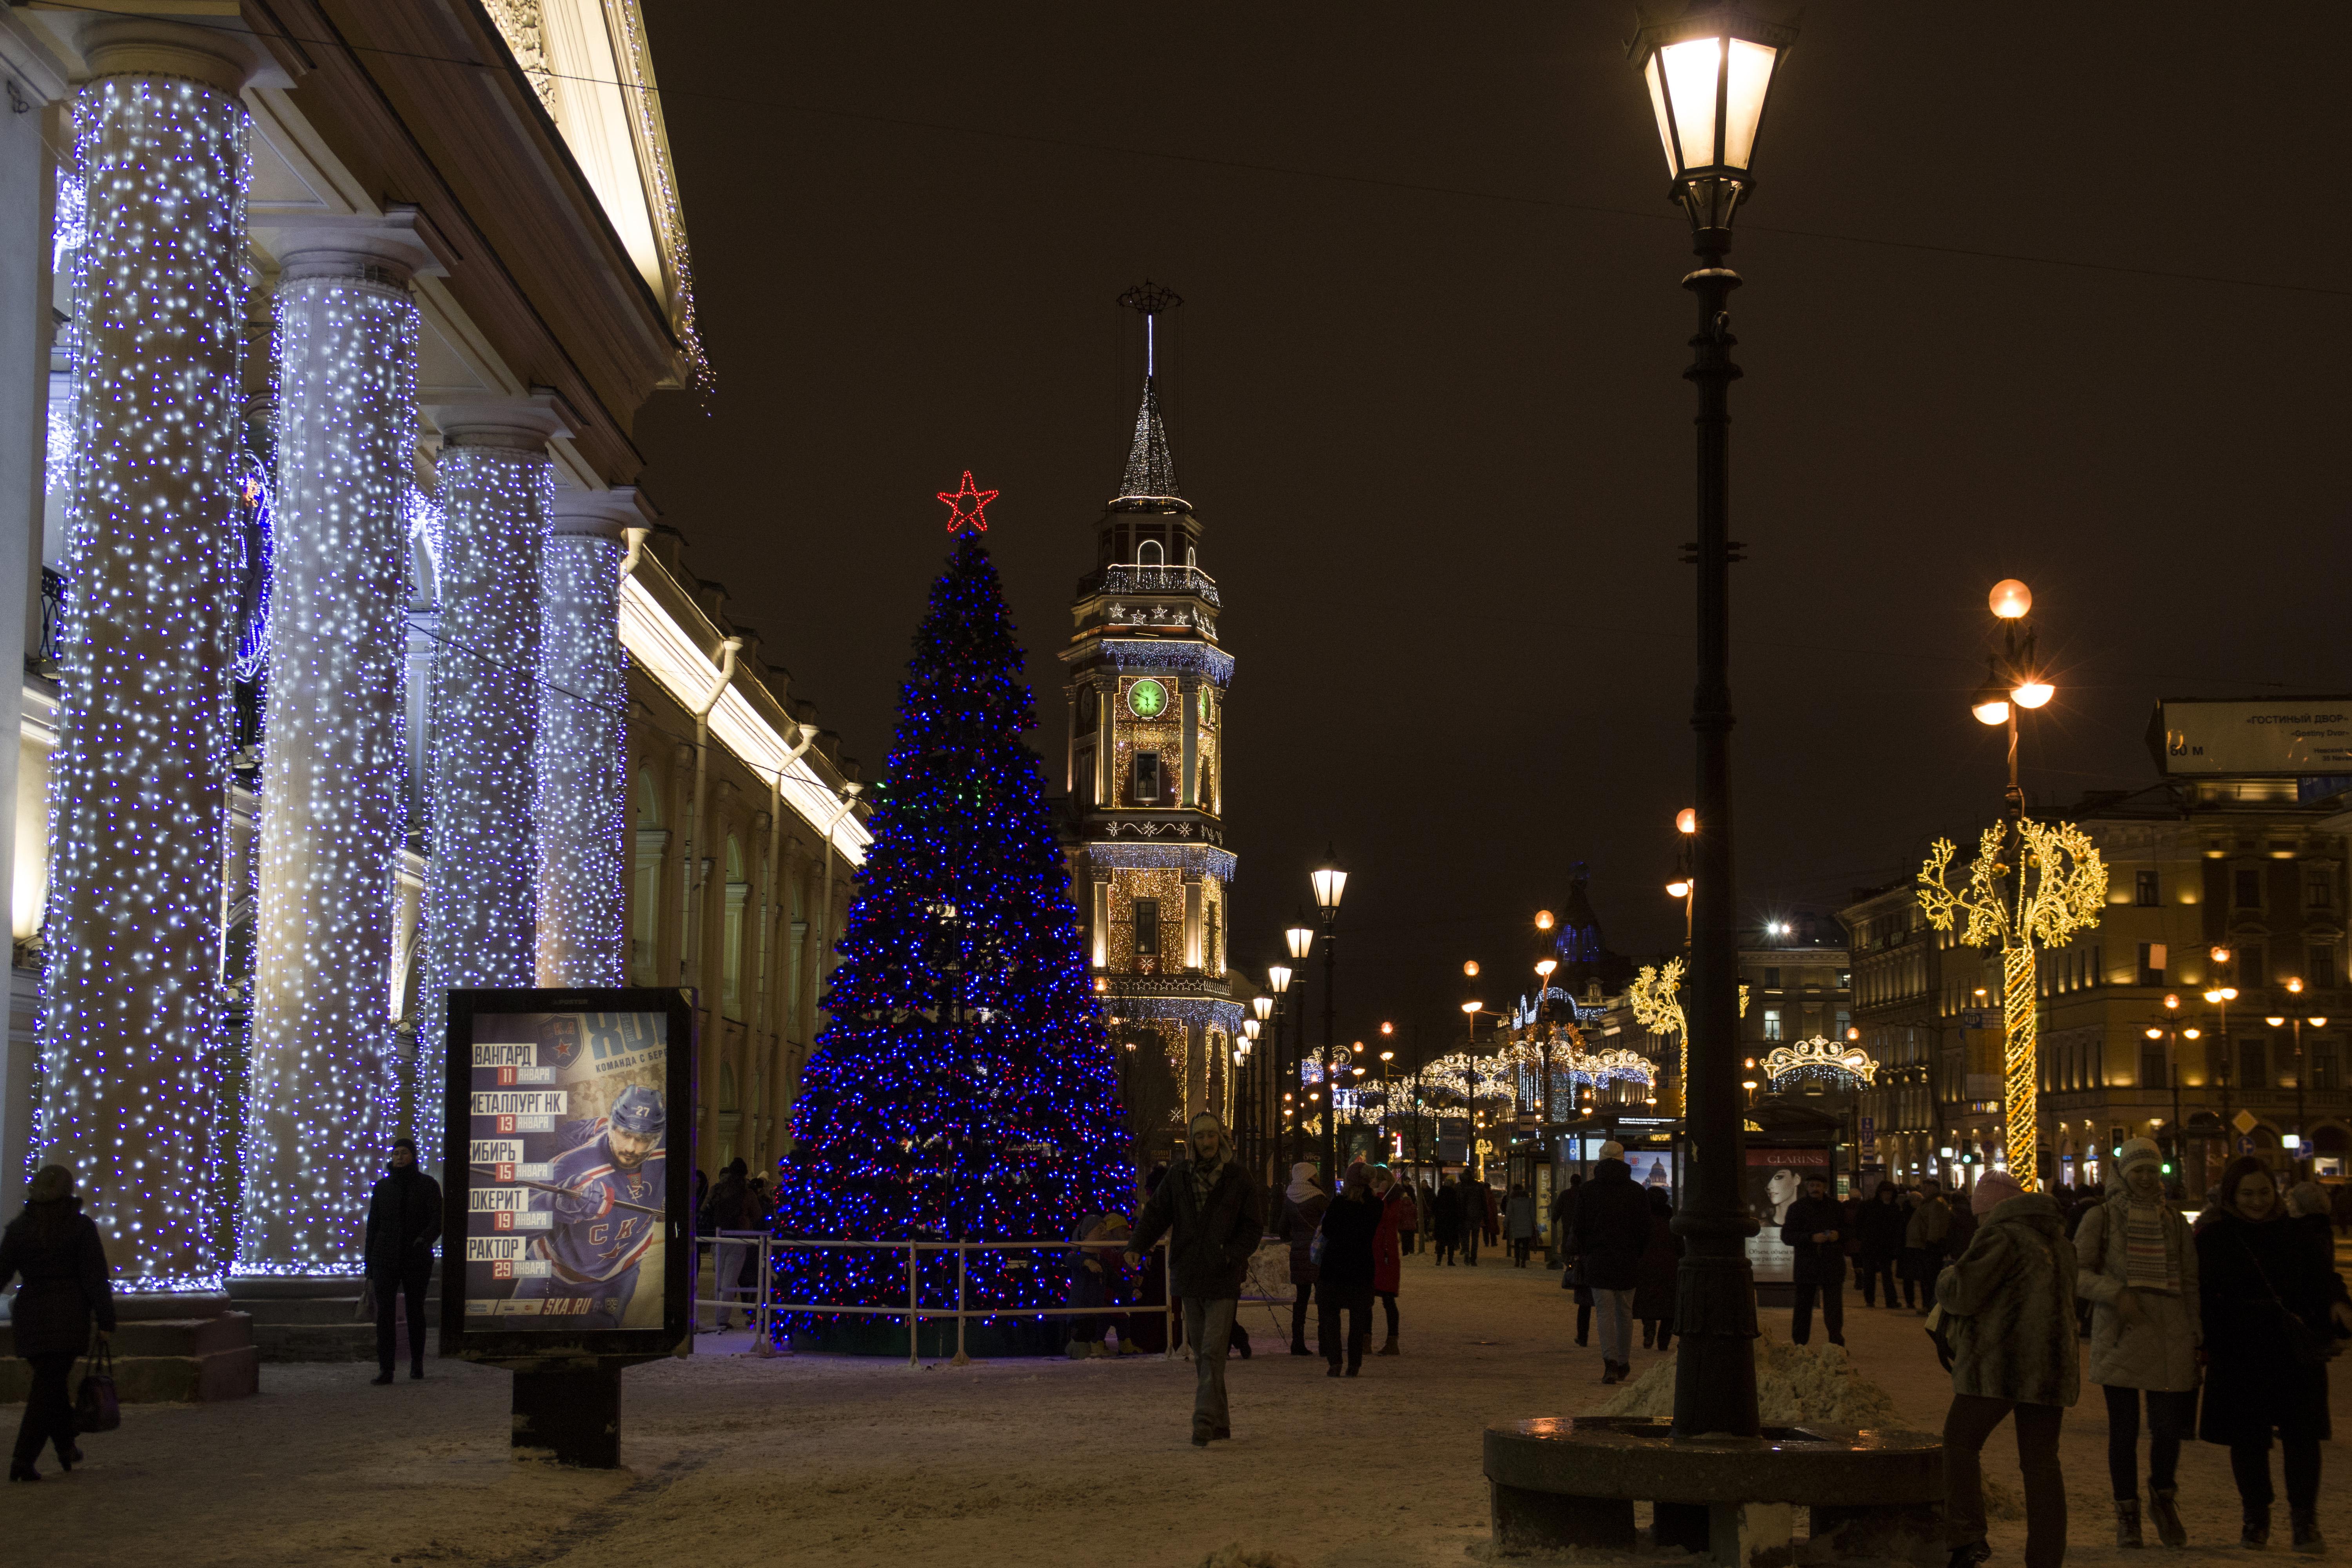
[(1655, 996), (2061, 889)]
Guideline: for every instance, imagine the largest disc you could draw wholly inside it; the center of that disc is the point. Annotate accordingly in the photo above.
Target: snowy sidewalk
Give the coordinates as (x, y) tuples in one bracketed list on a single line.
[(822, 1460)]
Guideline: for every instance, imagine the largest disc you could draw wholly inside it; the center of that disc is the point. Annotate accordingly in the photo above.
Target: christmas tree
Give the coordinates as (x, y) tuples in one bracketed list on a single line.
[(963, 1088)]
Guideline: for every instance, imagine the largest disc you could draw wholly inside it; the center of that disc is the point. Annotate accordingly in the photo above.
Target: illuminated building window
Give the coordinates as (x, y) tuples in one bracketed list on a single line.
[(2146, 893), (2152, 956), (1147, 926), (1772, 1022), (1147, 778)]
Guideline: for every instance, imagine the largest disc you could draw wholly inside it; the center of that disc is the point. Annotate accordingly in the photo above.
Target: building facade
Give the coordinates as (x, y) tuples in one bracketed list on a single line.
[(1145, 771), (356, 669)]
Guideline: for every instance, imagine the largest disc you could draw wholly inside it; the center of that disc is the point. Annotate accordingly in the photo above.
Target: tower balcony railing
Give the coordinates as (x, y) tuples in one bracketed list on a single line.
[(1130, 578)]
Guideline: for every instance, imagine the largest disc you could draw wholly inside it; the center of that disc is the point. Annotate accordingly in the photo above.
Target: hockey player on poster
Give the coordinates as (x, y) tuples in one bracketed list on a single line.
[(607, 1197)]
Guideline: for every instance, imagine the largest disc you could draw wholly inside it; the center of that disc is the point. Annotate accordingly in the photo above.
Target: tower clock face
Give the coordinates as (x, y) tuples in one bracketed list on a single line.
[(1147, 699)]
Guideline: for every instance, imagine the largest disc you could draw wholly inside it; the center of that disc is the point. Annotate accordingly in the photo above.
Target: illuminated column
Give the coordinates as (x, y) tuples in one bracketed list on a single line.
[(482, 875), (132, 1036), (583, 781), (324, 1097)]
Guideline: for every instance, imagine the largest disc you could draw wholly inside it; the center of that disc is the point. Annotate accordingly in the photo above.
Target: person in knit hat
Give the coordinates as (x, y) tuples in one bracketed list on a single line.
[(2136, 1265), (2007, 1311)]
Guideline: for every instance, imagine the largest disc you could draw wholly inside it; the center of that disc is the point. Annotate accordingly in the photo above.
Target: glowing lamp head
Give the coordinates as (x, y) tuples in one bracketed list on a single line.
[(1543, 919), (1251, 1028), (2294, 987), (2173, 1000), (1299, 938), (1678, 889), (1330, 883), (1470, 968), (2317, 1023), (2221, 956), (1544, 967), (1387, 1027), (1387, 1056), (2033, 692), (2155, 1034), (1990, 702), (2276, 1023), (2010, 599), (2212, 996), (2229, 993), (1686, 820), (1709, 68), (1470, 1008), (1277, 978), (2192, 1034), (1262, 1006)]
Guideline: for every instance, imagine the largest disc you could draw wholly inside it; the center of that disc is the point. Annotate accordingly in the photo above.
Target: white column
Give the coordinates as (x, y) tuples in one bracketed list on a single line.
[(582, 777), (324, 1099), (482, 876), (132, 1037), (27, 177)]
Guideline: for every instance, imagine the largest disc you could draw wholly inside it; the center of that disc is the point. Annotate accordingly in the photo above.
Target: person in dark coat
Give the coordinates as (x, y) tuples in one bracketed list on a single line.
[(1613, 1231), (2262, 1286), (1477, 1214), (1563, 1240), (54, 1247), (1879, 1223), (1209, 1210), (1927, 1240), (729, 1207), (1303, 1203), (1653, 1277), (1815, 1231), (1344, 1278), (403, 1222), (1448, 1208)]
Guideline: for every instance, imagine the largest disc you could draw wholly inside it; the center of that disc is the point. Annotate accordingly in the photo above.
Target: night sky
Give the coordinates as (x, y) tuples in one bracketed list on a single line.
[(2051, 291)]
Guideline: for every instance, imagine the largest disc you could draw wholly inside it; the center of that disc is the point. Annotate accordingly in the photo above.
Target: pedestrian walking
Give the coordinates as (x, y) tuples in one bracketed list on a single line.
[(1519, 1223), (54, 1249), (1613, 1230), (1493, 1208), (1449, 1220), (1207, 1209), (1098, 1280), (2273, 1306), (1388, 1266), (1475, 1215), (1303, 1203), (1879, 1222), (403, 1221), (2137, 1268), (728, 1207), (1344, 1275), (1654, 1275), (1927, 1237), (2007, 1309), (1409, 1232), (1815, 1232)]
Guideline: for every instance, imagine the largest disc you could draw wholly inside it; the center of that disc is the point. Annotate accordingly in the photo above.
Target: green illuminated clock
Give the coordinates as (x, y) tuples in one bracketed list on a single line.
[(1147, 698)]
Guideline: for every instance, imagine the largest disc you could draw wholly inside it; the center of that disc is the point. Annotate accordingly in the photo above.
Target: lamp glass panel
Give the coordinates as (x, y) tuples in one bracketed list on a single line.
[(1658, 102), (1691, 67), (1991, 712), (1743, 107), (1331, 882)]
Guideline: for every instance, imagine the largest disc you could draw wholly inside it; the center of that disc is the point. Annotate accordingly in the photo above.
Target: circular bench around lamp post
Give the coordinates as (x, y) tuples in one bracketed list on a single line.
[(1572, 1481)]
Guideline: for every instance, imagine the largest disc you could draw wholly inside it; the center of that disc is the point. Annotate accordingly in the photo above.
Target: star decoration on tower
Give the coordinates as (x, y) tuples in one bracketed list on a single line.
[(976, 515)]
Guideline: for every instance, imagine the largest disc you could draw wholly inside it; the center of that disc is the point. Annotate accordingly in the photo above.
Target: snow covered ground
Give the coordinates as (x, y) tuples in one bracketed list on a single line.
[(736, 1460)]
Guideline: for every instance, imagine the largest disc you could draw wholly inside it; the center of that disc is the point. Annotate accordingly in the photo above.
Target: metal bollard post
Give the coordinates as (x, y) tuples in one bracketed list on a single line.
[(914, 1331), (961, 1358)]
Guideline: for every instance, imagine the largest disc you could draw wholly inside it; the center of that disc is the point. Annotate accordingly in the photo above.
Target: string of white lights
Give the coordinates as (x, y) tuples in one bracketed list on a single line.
[(481, 885), (133, 1071), (582, 765), (333, 797)]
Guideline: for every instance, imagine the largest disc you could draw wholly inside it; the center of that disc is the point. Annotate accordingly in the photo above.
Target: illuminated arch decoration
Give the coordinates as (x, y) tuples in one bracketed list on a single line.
[(1819, 1058)]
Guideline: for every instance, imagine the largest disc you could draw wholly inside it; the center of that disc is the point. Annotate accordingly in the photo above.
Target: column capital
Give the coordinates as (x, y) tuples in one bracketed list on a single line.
[(526, 424), (401, 242), (223, 57), (603, 514)]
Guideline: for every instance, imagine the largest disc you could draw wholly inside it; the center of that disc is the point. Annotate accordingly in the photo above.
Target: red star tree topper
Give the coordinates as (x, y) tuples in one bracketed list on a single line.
[(976, 514)]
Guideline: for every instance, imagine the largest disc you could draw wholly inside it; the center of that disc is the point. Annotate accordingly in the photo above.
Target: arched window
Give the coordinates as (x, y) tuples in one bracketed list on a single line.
[(727, 1088), (1149, 553), (739, 893), (646, 883)]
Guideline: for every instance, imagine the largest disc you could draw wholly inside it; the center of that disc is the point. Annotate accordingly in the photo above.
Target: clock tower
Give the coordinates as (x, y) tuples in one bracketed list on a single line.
[(1146, 772)]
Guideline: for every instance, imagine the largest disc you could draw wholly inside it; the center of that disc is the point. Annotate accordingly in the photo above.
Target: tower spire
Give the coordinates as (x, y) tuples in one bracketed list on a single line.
[(1151, 466)]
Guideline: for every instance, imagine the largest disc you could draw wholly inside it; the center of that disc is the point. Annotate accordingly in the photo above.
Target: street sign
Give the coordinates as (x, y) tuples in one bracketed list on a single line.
[(2245, 1122)]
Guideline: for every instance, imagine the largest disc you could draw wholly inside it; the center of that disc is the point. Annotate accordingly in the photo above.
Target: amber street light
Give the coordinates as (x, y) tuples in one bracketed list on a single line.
[(1470, 968), (1543, 919)]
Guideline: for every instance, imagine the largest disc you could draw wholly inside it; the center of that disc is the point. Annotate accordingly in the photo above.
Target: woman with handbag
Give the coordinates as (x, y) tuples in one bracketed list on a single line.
[(55, 1247), (2272, 1307), (2138, 1268)]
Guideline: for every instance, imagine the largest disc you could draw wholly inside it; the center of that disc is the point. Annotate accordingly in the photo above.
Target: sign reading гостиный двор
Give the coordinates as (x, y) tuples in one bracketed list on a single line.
[(2287, 735)]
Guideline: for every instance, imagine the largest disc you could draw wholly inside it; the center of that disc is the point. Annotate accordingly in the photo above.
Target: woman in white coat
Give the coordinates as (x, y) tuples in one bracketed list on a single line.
[(2138, 1269)]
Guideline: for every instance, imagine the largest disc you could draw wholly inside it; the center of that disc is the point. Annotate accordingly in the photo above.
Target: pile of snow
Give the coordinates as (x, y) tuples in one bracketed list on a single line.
[(1796, 1385)]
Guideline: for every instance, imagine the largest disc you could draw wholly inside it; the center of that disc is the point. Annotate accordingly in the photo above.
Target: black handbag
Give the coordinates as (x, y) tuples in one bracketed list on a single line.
[(2306, 1345), (96, 1409)]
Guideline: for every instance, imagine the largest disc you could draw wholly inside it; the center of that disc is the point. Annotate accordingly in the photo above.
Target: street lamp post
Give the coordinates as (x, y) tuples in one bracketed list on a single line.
[(1299, 939), (1709, 71), (1329, 883), (2302, 1133)]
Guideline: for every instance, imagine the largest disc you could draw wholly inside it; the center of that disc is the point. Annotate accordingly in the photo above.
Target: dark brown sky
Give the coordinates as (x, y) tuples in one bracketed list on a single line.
[(1426, 395)]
